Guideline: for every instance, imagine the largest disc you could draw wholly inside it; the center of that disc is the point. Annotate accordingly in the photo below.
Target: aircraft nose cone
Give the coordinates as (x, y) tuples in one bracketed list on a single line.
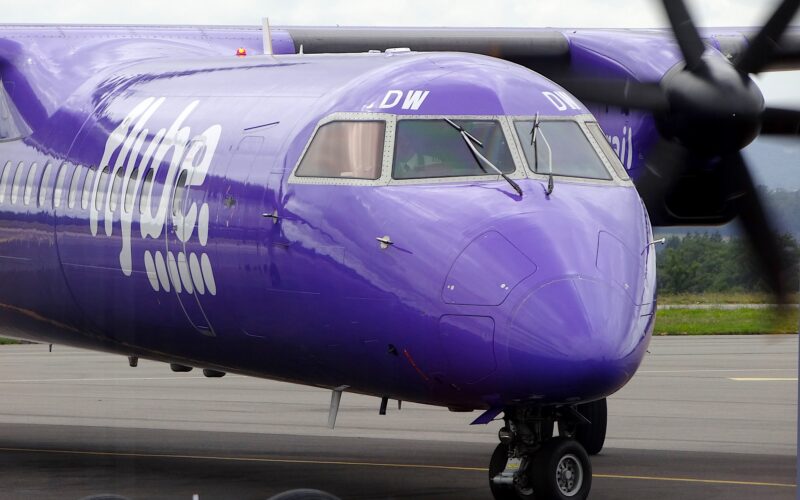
[(574, 338)]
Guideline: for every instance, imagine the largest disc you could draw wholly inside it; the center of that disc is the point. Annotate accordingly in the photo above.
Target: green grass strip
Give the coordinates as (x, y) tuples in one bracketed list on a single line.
[(725, 322), (720, 298)]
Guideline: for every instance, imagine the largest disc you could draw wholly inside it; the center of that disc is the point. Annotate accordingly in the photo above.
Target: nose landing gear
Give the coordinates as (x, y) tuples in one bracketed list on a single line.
[(529, 463)]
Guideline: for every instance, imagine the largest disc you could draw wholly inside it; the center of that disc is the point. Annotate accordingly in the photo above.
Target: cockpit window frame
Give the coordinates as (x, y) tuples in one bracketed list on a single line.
[(386, 162), (505, 125), (507, 122), (581, 120), (385, 178)]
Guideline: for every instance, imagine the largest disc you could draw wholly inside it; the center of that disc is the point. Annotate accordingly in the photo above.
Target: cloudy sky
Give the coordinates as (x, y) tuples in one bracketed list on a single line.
[(571, 13), (778, 88)]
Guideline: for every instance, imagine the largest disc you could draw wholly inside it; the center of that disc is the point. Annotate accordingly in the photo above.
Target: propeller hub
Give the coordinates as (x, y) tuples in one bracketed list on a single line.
[(713, 110)]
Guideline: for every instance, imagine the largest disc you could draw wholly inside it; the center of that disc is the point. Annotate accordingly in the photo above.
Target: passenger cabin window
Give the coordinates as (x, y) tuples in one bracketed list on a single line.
[(434, 148), (144, 195), (18, 179), (27, 196), (347, 149), (58, 191), (88, 185), (130, 192), (560, 148), (612, 157), (7, 169), (102, 188), (74, 186), (116, 189), (180, 194), (43, 184)]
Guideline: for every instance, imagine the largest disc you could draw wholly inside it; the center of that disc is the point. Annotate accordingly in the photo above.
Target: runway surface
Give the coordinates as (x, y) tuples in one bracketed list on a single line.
[(704, 418)]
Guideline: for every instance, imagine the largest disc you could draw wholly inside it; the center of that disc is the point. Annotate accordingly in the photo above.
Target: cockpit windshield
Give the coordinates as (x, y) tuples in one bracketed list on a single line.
[(433, 148), (560, 148)]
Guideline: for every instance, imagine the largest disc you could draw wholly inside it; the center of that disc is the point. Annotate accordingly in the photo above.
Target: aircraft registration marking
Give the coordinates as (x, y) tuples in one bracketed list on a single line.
[(375, 464), (411, 100)]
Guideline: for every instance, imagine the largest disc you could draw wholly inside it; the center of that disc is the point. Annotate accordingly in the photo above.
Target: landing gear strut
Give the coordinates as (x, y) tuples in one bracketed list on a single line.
[(529, 463)]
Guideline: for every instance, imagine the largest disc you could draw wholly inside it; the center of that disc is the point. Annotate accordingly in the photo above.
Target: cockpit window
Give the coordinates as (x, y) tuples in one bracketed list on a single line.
[(613, 159), (434, 148), (560, 148), (345, 149)]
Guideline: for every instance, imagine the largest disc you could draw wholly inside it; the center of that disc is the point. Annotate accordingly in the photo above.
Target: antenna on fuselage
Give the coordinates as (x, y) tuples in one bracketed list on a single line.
[(266, 35), (336, 398)]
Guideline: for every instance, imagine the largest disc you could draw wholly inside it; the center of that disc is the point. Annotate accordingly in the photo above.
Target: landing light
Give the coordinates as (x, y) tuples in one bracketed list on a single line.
[(241, 52)]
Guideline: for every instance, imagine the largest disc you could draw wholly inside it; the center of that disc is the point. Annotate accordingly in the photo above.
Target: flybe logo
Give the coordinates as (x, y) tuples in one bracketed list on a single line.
[(623, 146), (133, 147)]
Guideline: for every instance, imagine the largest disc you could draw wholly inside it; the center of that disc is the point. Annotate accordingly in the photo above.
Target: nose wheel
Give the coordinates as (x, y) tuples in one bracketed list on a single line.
[(531, 464), (559, 470)]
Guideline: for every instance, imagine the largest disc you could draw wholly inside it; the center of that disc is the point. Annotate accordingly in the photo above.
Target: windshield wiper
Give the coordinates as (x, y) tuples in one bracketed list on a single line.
[(470, 140), (534, 136), (535, 144)]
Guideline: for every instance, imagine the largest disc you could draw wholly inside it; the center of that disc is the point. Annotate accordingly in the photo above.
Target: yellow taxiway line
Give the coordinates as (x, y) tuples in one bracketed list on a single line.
[(694, 480), (375, 464)]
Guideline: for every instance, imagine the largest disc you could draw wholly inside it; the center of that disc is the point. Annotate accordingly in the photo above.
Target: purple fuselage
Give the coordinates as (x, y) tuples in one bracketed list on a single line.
[(484, 299)]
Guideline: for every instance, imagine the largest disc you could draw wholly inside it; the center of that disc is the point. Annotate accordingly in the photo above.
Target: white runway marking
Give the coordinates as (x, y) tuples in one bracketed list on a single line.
[(765, 379)]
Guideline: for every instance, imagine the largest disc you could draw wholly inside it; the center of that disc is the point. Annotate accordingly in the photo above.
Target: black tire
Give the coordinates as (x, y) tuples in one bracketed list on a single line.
[(561, 470), (304, 494), (497, 465), (591, 436)]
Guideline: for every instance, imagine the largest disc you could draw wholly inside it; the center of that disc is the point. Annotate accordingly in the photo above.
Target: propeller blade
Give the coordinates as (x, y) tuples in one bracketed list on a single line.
[(779, 121), (765, 44), (686, 33), (757, 227), (622, 93)]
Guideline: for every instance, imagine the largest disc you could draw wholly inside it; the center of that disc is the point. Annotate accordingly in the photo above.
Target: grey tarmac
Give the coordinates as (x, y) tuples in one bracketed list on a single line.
[(705, 417)]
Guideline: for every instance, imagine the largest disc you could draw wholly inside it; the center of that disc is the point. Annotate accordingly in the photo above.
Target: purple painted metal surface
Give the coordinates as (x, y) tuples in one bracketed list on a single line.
[(560, 311), (644, 56), (490, 253)]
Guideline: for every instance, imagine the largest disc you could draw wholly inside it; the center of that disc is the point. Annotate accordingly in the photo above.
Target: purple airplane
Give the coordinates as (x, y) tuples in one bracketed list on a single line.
[(324, 206)]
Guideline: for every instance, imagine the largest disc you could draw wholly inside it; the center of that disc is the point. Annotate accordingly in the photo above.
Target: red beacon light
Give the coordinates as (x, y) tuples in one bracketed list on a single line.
[(241, 52)]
